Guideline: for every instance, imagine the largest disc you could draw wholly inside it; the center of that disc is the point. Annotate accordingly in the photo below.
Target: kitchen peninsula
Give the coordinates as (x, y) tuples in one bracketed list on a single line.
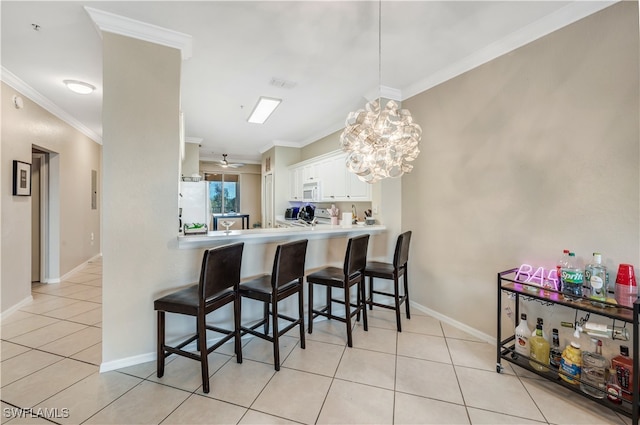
[(273, 235)]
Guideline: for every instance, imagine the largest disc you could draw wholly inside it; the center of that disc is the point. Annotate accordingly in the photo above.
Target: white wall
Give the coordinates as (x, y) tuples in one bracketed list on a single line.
[(529, 154)]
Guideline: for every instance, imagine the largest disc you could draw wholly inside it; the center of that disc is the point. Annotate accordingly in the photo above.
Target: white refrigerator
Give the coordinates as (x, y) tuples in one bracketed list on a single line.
[(194, 202)]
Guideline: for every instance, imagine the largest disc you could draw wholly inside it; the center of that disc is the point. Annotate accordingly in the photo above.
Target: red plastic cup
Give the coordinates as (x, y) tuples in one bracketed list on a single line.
[(626, 288), (626, 275)]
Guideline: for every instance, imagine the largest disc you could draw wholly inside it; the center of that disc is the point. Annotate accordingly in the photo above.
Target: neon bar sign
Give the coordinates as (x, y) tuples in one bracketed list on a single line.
[(538, 276)]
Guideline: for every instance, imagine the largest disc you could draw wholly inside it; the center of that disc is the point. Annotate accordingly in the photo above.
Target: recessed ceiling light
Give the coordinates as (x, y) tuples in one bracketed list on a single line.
[(79, 87), (263, 109)]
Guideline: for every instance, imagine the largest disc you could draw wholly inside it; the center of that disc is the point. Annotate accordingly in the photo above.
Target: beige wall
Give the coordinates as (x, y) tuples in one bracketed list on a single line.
[(139, 121), (529, 154), (77, 155), (330, 143)]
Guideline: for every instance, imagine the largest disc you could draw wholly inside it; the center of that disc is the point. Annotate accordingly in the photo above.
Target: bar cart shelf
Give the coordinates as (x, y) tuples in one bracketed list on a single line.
[(524, 291)]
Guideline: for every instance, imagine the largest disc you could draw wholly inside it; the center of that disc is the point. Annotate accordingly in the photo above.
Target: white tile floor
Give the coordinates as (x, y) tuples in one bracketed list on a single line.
[(431, 373)]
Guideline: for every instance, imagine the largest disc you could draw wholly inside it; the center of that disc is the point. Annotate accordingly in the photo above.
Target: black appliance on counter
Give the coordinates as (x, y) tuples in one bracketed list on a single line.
[(307, 213), (291, 213)]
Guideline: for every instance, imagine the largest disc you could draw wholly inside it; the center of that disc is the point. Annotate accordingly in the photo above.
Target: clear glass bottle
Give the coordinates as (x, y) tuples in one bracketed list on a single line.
[(572, 279), (523, 333), (555, 353), (595, 276), (594, 367), (614, 392), (563, 262), (539, 351)]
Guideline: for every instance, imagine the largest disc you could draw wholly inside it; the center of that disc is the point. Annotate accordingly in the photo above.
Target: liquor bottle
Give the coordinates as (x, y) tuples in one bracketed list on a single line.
[(555, 353), (563, 262), (614, 392), (572, 279), (594, 367), (541, 323), (539, 351), (623, 366), (522, 336), (595, 276)]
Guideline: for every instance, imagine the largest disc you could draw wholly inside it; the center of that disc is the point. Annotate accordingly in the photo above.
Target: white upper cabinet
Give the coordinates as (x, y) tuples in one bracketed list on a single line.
[(337, 184), (310, 173), (295, 184)]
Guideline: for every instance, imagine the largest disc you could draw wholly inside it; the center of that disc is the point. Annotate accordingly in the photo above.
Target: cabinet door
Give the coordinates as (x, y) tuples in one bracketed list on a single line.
[(324, 173), (357, 189), (295, 184), (310, 173), (339, 175)]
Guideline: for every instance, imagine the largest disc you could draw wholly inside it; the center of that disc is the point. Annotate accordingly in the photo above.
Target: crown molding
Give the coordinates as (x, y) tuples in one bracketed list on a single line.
[(193, 140), (26, 90), (282, 143), (564, 16), (110, 22)]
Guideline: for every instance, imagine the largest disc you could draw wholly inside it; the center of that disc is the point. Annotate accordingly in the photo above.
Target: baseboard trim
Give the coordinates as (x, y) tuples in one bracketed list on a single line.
[(75, 269), (126, 362), (446, 319), (15, 308), (147, 357)]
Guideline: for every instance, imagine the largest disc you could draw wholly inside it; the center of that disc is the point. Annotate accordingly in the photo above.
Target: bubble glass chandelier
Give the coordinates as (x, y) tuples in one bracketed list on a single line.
[(380, 143)]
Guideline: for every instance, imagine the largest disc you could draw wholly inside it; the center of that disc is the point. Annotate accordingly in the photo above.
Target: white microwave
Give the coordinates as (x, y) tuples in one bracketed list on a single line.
[(311, 192)]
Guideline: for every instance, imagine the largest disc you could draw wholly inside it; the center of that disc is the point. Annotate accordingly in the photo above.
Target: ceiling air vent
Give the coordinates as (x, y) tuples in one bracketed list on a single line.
[(283, 84)]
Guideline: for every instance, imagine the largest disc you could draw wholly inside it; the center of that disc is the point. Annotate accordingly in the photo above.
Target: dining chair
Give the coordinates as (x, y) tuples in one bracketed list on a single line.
[(351, 274), (217, 287), (286, 280), (392, 271)]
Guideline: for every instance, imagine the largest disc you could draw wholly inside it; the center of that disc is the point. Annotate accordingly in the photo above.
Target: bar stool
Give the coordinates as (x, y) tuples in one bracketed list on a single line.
[(352, 273), (380, 270), (218, 286), (285, 280)]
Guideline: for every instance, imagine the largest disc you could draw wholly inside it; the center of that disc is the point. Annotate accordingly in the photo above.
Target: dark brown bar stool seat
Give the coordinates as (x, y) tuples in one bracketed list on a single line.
[(286, 280), (380, 270), (344, 278), (218, 286)]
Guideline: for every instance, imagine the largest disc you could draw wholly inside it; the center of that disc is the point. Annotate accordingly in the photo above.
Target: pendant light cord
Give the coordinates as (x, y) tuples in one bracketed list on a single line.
[(380, 51)]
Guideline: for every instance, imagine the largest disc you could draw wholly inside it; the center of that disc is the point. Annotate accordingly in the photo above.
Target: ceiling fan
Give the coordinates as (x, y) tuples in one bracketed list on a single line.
[(226, 164)]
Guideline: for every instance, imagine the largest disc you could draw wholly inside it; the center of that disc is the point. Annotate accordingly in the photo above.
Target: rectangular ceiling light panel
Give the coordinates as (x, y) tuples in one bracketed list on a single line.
[(263, 109)]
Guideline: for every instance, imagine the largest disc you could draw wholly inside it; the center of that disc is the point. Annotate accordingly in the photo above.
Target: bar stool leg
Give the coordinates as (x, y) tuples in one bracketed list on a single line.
[(266, 318), (237, 306), (370, 299), (347, 317), (310, 308), (396, 297), (204, 360), (406, 292), (301, 315), (276, 336), (363, 305), (160, 348)]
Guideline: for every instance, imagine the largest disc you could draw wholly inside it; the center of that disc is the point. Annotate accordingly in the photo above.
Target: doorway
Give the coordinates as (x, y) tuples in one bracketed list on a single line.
[(45, 220), (268, 201), (38, 158)]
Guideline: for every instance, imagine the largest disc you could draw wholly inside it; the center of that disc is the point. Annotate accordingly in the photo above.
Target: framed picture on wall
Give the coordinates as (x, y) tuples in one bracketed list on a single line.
[(21, 178)]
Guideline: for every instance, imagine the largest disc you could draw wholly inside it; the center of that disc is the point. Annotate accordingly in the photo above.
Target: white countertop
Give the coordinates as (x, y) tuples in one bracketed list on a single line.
[(320, 231)]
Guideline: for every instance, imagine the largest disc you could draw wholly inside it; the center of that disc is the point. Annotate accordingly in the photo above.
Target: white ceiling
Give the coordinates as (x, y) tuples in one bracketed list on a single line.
[(329, 49)]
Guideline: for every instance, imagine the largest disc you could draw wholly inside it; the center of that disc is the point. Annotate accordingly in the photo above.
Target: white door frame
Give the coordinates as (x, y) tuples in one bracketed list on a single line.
[(49, 217)]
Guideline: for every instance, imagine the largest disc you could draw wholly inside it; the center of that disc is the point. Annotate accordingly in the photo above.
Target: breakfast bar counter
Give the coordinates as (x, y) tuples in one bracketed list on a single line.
[(319, 231)]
